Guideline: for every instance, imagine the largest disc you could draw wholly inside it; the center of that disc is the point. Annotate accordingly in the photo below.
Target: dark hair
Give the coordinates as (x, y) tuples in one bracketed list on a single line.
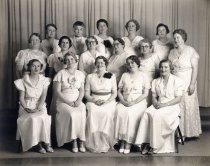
[(30, 63), (181, 32), (135, 22), (102, 20), (104, 59), (69, 54), (50, 25), (120, 40), (145, 41), (65, 37), (34, 34), (162, 25), (134, 58), (78, 23), (91, 37), (166, 61)]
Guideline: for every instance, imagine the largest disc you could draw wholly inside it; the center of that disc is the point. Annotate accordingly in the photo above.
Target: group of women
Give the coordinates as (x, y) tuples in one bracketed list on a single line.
[(128, 90)]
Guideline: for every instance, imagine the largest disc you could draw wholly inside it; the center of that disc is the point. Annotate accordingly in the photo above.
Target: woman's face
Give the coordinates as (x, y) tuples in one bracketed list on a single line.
[(100, 65), (70, 61), (91, 44), (131, 27), (162, 33), (35, 67), (118, 46), (64, 45), (165, 69), (102, 28), (132, 66), (51, 31), (178, 40), (145, 48), (78, 31), (35, 42)]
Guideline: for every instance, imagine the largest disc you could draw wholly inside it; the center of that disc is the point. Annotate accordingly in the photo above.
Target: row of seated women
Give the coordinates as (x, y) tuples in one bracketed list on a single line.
[(107, 121), (184, 60)]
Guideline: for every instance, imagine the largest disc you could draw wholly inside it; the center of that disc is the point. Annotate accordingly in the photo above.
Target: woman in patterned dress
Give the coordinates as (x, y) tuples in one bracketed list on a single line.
[(185, 59)]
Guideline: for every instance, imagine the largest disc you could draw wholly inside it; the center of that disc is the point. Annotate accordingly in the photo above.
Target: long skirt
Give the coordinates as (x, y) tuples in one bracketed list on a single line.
[(157, 127), (100, 127), (33, 128), (127, 121)]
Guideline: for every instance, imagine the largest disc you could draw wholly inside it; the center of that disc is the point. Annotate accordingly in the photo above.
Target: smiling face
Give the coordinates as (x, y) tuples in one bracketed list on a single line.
[(35, 67), (178, 40), (162, 33), (64, 45), (79, 31), (35, 42), (100, 65), (165, 69), (102, 28), (131, 27), (51, 31)]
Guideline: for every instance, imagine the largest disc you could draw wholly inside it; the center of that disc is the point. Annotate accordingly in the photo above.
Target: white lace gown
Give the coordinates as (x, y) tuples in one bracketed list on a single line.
[(131, 47), (100, 119), (128, 118), (190, 114), (157, 126), (33, 128), (70, 121)]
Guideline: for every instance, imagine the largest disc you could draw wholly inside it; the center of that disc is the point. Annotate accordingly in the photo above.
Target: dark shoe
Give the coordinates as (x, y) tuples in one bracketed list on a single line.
[(145, 149)]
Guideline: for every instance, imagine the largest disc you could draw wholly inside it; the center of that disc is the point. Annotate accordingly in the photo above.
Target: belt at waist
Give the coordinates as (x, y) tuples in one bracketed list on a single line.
[(101, 93)]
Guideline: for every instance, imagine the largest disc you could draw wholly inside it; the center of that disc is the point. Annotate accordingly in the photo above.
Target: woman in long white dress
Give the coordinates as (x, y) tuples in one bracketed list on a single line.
[(133, 39), (33, 123), (160, 120), (105, 41), (87, 59), (50, 44), (71, 112), (117, 62), (163, 44), (133, 90), (185, 59), (24, 56), (100, 92)]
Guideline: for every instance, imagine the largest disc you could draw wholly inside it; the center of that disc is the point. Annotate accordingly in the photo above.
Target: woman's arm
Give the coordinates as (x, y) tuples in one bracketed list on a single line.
[(113, 90), (142, 97), (42, 99), (121, 98), (57, 90), (174, 101), (191, 87), (80, 97)]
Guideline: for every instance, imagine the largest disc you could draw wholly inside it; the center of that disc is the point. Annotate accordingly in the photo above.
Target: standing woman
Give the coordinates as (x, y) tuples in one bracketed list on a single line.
[(50, 44), (132, 40), (185, 62), (117, 62), (71, 111), (105, 41), (162, 45), (33, 123), (160, 120), (24, 56), (133, 90), (87, 59), (100, 92)]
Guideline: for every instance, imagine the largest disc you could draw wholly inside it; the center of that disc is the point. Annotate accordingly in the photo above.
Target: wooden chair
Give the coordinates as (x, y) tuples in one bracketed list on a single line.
[(178, 138)]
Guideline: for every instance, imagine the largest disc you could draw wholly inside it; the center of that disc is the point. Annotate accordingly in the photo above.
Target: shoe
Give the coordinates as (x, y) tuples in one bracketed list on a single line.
[(122, 147), (126, 151), (49, 149), (42, 150), (82, 147), (75, 147), (146, 149), (127, 148), (121, 150)]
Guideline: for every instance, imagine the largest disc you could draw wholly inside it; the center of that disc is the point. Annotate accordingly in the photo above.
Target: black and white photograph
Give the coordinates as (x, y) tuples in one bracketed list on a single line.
[(104, 82)]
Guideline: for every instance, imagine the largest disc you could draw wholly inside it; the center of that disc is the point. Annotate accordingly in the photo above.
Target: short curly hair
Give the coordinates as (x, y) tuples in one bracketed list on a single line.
[(50, 25), (103, 58), (30, 63), (34, 34), (65, 37), (135, 59), (135, 22), (162, 25), (181, 32), (102, 20)]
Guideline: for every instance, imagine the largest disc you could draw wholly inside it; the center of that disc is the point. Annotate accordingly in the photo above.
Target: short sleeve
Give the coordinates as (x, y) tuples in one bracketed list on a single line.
[(47, 81), (87, 82), (50, 60), (179, 86), (19, 85), (58, 77), (19, 60), (154, 86), (146, 82)]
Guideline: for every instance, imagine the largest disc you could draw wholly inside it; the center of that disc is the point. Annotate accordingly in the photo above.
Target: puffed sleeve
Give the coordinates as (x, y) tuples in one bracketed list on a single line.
[(19, 85), (179, 86), (19, 60), (47, 81), (120, 84), (59, 77), (50, 60)]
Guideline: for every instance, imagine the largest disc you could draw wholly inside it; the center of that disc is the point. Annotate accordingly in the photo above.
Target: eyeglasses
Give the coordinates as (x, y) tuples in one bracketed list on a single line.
[(91, 42), (144, 47)]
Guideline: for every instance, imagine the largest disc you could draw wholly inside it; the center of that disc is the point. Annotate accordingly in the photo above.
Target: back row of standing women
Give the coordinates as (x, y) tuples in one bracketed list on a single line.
[(103, 60)]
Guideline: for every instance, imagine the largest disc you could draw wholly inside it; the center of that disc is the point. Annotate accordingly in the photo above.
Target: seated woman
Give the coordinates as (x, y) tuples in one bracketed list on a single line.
[(104, 40), (33, 123), (160, 120), (24, 56), (118, 60), (71, 112), (133, 89), (100, 92), (133, 39)]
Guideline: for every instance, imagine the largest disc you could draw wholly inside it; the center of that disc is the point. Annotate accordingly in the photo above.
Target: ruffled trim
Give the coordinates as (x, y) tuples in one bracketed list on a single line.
[(19, 85)]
